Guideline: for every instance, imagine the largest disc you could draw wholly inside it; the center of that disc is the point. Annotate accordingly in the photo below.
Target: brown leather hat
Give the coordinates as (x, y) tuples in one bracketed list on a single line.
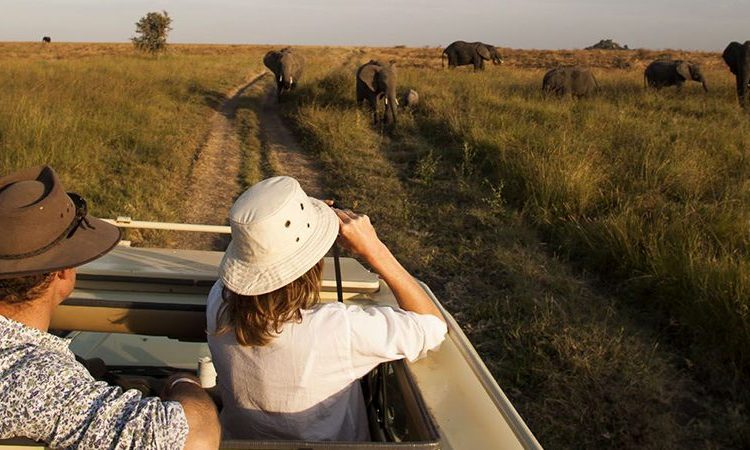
[(43, 229)]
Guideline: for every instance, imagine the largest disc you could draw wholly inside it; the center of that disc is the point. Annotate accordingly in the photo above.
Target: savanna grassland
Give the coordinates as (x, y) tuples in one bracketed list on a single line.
[(595, 251), (125, 124)]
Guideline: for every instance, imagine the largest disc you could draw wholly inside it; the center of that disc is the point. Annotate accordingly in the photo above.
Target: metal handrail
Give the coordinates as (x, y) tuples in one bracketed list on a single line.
[(127, 222)]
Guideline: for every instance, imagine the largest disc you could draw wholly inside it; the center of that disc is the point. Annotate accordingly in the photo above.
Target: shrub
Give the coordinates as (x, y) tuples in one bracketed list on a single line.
[(152, 32)]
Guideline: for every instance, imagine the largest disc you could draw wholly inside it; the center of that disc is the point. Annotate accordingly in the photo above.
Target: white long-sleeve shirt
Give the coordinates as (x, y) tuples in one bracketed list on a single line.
[(304, 383)]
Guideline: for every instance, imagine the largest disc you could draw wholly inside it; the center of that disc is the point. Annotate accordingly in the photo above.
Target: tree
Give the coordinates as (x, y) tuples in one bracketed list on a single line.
[(152, 32)]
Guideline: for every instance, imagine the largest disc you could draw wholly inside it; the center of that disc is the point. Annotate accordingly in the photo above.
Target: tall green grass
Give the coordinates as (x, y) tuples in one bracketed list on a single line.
[(607, 182), (648, 189), (121, 128)]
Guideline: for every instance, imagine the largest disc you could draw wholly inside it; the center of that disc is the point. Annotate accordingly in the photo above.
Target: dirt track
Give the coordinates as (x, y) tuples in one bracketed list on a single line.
[(283, 154), (214, 181)]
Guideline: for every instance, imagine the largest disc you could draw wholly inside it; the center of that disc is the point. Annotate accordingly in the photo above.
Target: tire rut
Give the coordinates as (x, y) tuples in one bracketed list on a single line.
[(214, 180), (282, 153)]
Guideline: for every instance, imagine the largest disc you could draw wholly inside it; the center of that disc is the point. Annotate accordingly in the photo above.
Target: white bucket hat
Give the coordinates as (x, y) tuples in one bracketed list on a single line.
[(278, 234)]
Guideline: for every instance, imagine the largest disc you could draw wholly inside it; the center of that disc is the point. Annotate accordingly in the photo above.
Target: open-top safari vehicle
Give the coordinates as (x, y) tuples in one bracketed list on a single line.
[(138, 314)]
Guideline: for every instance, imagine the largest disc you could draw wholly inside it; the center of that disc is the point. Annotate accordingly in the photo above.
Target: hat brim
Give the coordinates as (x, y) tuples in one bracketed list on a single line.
[(86, 244), (245, 278)]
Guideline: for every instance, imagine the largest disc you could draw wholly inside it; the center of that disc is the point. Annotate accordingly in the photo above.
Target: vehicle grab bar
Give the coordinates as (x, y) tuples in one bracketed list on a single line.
[(127, 222)]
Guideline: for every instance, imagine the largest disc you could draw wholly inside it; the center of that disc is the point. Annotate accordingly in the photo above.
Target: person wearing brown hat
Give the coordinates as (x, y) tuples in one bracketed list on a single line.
[(46, 394)]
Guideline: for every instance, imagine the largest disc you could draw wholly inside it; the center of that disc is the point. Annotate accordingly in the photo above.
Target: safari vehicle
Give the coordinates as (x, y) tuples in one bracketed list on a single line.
[(138, 314)]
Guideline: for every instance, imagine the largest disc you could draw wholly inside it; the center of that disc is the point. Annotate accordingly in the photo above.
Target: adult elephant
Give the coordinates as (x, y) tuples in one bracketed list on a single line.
[(286, 67), (461, 53), (376, 81), (575, 81), (737, 57), (664, 73)]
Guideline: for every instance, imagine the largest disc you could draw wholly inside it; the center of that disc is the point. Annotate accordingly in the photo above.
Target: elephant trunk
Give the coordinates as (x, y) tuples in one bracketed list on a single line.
[(286, 77), (705, 86)]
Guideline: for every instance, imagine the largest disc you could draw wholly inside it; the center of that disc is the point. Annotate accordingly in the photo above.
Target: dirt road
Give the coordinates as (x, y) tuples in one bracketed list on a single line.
[(214, 181)]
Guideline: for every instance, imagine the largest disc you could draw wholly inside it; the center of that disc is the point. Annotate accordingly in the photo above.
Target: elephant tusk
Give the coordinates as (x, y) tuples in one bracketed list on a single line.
[(386, 101), (281, 78), (291, 80)]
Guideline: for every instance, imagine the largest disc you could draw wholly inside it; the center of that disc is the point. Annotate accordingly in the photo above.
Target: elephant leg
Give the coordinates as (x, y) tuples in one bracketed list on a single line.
[(742, 89)]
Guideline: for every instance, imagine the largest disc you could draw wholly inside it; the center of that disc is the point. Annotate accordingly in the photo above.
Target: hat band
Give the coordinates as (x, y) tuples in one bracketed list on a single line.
[(78, 219)]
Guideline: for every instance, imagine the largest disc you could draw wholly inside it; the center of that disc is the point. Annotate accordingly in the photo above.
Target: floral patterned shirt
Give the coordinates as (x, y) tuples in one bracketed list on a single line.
[(46, 395)]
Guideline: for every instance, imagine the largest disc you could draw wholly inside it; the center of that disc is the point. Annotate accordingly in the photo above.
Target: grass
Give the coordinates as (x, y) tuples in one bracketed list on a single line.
[(646, 189), (120, 127), (639, 189), (595, 251)]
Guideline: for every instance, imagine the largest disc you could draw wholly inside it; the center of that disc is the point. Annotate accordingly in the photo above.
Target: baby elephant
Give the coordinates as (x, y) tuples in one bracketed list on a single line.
[(575, 81), (286, 67), (411, 98), (663, 73)]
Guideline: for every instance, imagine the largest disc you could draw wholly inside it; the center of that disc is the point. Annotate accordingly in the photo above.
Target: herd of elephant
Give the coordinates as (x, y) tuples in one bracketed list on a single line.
[(376, 81)]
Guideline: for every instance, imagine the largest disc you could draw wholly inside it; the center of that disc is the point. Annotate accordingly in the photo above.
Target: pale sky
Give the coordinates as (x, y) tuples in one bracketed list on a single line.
[(547, 24)]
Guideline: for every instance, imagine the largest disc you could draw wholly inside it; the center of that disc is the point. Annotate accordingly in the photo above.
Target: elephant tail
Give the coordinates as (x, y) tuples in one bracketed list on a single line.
[(442, 59)]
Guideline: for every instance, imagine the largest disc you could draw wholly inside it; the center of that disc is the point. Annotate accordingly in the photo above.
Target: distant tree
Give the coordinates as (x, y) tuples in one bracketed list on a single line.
[(151, 32)]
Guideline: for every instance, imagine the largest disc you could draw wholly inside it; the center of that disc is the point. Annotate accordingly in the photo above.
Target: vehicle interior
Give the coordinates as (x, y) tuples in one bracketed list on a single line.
[(133, 325)]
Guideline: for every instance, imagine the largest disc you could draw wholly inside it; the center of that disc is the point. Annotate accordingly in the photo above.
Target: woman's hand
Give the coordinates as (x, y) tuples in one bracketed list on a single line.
[(357, 234)]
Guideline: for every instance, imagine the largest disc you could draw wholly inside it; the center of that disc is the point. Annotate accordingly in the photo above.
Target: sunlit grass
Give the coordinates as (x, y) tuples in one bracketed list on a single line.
[(121, 128), (643, 189)]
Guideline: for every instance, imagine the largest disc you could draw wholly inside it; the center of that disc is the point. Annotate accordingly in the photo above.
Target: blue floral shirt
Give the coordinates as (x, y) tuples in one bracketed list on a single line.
[(46, 395)]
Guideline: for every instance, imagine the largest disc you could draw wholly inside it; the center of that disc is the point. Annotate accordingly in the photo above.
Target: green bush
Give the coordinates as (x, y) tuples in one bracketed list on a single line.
[(152, 32)]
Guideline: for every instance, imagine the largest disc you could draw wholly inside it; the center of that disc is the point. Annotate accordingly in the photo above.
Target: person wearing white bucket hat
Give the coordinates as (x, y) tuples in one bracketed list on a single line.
[(288, 366)]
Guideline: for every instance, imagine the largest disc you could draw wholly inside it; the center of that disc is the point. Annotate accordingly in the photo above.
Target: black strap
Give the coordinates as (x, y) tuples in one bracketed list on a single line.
[(337, 269), (337, 265)]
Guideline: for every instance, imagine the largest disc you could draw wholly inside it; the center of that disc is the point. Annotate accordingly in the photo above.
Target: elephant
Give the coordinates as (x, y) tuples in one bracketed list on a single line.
[(375, 81), (286, 66), (410, 98), (46, 39), (737, 57), (663, 73), (576, 81), (462, 53)]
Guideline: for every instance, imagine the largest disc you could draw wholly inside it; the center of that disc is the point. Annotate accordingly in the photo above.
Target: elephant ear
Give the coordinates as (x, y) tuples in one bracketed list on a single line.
[(271, 60), (483, 52), (369, 74), (731, 56), (683, 69)]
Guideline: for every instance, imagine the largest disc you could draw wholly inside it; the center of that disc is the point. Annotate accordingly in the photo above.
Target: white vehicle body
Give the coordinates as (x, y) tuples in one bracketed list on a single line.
[(141, 307)]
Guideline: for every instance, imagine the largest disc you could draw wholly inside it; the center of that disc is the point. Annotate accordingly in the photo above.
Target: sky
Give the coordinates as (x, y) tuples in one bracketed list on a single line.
[(543, 24)]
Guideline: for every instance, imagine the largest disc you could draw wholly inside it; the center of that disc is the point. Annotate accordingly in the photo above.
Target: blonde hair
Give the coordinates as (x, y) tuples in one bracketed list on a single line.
[(255, 319)]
